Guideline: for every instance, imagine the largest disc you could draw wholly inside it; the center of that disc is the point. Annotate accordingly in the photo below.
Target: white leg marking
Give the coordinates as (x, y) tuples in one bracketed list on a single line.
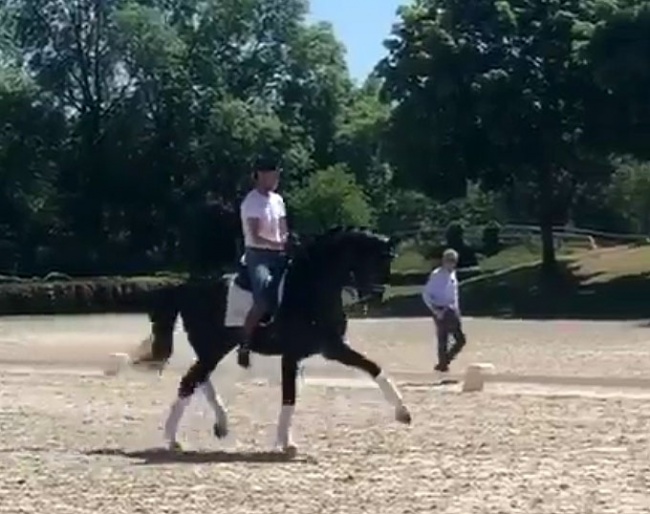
[(173, 420), (216, 403), (284, 440), (393, 396)]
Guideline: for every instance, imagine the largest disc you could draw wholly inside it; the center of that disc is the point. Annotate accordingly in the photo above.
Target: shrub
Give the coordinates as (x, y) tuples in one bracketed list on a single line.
[(330, 197), (455, 238), (79, 296), (491, 239)]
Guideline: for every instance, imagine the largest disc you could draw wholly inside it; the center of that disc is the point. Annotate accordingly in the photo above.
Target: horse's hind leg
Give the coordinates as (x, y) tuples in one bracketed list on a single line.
[(155, 351), (341, 352)]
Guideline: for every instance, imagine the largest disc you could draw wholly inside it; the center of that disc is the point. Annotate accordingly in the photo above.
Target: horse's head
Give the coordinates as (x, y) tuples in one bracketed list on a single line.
[(360, 258)]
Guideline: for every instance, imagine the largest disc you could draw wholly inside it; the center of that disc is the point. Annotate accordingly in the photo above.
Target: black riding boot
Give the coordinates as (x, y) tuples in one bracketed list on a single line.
[(250, 324)]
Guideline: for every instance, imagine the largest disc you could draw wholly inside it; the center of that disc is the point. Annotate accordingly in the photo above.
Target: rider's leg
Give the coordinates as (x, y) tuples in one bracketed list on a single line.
[(277, 265), (253, 317), (260, 276), (260, 280)]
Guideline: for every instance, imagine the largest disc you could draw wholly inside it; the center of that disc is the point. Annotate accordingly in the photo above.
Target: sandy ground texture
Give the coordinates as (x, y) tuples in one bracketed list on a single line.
[(75, 441)]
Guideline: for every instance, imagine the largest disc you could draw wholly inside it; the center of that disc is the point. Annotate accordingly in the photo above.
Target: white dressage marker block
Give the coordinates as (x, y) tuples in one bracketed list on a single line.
[(117, 363), (475, 376)]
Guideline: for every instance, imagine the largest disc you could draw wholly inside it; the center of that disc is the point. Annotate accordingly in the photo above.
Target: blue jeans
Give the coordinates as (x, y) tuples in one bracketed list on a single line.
[(265, 268)]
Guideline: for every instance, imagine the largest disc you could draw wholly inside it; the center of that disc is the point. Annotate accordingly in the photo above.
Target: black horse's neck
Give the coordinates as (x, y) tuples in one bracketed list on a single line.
[(319, 271)]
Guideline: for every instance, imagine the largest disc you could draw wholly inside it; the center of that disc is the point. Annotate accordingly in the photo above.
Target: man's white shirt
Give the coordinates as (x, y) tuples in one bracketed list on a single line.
[(269, 209), (441, 290)]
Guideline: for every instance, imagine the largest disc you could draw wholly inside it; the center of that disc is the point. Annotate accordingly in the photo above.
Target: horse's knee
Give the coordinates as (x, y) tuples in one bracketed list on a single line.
[(197, 375), (187, 386)]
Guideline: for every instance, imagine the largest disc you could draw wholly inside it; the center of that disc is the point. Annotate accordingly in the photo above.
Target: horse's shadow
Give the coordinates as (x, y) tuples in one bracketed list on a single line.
[(159, 456)]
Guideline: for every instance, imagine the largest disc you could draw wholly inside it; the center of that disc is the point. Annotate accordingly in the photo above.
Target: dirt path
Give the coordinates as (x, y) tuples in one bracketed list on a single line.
[(72, 441)]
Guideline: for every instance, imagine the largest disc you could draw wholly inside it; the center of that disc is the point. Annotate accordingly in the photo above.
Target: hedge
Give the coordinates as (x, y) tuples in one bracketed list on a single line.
[(59, 294), (78, 296)]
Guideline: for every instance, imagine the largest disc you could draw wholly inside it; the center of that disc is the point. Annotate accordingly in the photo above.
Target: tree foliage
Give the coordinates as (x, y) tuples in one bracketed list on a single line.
[(117, 117), (330, 197), (502, 92)]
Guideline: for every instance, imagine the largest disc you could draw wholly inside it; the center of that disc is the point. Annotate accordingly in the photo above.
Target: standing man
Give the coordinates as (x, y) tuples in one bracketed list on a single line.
[(264, 224), (440, 294)]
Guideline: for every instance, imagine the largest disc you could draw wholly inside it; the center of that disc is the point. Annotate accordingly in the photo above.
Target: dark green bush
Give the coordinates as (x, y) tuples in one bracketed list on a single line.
[(79, 296), (492, 239), (455, 238)]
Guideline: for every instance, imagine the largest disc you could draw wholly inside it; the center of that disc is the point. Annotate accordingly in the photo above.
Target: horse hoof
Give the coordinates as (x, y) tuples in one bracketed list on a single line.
[(149, 366), (403, 415), (290, 450), (175, 446), (219, 431), (244, 359)]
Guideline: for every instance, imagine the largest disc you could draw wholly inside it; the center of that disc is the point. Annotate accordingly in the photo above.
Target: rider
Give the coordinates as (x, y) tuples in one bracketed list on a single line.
[(264, 224)]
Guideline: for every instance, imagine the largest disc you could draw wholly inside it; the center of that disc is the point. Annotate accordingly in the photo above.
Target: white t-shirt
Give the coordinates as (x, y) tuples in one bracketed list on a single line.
[(441, 290), (269, 209)]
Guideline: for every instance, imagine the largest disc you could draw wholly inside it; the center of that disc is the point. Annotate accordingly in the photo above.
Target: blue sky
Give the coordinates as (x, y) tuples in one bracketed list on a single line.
[(362, 25)]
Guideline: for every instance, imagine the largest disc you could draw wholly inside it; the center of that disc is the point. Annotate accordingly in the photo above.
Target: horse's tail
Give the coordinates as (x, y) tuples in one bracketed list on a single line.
[(163, 308)]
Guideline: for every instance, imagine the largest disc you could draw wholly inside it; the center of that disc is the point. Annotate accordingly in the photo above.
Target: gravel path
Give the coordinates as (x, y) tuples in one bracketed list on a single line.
[(72, 441)]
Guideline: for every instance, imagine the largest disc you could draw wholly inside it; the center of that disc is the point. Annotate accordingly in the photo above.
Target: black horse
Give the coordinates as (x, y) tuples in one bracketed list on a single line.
[(310, 320)]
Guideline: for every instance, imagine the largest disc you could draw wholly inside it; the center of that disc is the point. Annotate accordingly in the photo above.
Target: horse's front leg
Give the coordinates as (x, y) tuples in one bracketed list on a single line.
[(339, 350), (198, 377), (284, 440)]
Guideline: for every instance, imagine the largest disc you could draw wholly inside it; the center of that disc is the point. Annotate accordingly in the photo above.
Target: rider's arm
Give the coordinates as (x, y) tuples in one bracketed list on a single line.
[(254, 229), (284, 227)]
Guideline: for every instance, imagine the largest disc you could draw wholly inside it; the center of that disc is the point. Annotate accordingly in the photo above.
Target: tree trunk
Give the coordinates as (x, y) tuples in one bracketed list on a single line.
[(546, 219)]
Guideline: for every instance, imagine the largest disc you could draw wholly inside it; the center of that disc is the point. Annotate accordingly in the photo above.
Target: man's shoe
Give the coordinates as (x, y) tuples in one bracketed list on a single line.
[(441, 369)]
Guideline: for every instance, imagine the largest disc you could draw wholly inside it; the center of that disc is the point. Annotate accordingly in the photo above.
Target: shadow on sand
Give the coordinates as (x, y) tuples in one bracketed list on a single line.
[(159, 456)]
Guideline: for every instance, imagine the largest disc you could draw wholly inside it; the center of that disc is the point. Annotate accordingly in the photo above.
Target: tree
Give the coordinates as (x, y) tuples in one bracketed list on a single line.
[(494, 91), (28, 153), (619, 61), (330, 197), (155, 103), (629, 194)]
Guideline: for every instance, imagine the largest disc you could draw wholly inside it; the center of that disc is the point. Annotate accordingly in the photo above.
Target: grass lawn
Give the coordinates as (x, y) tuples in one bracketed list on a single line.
[(611, 283)]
